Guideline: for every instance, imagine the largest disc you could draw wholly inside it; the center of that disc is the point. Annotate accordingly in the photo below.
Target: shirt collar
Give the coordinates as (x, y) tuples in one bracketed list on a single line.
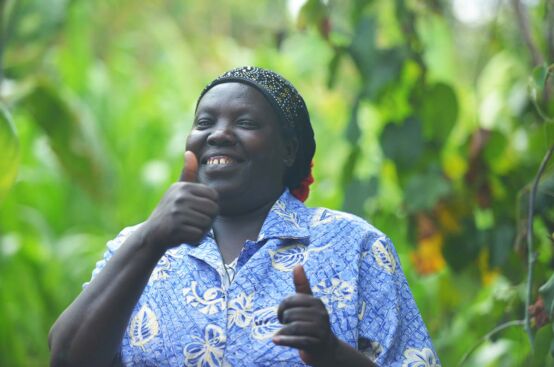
[(287, 219)]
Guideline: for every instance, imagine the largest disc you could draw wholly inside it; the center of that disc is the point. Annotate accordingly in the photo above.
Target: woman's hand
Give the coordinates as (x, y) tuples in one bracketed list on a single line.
[(185, 213), (307, 326)]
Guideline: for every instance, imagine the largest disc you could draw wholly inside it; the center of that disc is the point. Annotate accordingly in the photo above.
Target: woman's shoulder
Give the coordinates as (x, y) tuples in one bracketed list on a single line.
[(341, 220), (116, 243)]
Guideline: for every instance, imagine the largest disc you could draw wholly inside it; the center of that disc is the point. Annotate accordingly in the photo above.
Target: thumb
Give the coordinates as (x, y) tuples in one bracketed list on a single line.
[(301, 283), (190, 170)]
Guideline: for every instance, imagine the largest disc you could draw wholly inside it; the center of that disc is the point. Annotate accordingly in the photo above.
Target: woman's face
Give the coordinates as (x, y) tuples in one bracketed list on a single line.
[(240, 148)]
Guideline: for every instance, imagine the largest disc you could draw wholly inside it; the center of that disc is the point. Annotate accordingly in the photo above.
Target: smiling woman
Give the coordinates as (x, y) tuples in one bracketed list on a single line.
[(231, 269)]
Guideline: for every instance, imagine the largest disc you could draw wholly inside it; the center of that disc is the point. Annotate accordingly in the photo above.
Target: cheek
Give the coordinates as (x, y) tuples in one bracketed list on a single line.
[(194, 141), (269, 154)]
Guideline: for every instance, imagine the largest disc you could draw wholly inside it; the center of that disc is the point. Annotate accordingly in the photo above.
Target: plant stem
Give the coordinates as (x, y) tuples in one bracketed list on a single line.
[(2, 42), (488, 336), (550, 30), (531, 255), (523, 23)]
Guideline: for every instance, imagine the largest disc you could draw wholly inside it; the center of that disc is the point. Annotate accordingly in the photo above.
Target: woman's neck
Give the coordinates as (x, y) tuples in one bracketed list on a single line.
[(233, 229)]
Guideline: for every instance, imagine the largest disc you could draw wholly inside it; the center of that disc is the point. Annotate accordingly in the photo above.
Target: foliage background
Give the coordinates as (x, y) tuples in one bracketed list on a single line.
[(431, 117)]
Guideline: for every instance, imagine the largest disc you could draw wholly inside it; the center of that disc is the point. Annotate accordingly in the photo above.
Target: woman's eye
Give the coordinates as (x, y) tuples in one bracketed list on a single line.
[(203, 123), (248, 124)]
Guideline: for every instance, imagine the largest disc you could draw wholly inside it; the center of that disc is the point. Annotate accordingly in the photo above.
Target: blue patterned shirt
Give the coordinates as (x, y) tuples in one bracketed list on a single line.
[(190, 314)]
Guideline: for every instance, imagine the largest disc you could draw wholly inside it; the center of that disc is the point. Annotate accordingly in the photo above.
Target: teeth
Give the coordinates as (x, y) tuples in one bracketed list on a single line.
[(220, 160)]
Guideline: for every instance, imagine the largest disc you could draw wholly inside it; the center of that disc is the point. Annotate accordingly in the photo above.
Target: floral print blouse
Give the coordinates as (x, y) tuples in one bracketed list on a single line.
[(193, 313)]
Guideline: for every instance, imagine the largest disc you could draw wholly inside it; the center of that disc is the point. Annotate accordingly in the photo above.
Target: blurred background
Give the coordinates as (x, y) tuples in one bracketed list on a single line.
[(432, 118)]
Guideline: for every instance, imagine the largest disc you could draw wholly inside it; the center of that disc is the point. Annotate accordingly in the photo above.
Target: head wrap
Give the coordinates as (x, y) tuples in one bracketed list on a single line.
[(292, 112)]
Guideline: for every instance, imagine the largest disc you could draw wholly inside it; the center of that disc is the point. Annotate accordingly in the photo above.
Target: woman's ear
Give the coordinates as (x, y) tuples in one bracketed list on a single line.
[(291, 147)]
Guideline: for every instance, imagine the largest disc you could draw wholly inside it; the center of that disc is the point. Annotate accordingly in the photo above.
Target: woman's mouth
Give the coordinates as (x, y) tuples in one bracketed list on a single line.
[(220, 160)]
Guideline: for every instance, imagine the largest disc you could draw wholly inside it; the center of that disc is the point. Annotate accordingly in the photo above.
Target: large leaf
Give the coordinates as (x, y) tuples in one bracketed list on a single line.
[(423, 191), (31, 25), (462, 248), (70, 134), (9, 156), (501, 244), (378, 67), (541, 85), (438, 111), (403, 143), (357, 192)]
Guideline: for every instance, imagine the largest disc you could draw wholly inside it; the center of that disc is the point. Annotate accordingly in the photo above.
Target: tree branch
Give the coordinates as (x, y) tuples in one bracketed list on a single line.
[(2, 41), (523, 23), (550, 30), (488, 336), (531, 255)]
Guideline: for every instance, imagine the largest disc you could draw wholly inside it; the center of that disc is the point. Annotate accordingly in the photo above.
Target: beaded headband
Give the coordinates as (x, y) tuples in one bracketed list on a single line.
[(278, 91)]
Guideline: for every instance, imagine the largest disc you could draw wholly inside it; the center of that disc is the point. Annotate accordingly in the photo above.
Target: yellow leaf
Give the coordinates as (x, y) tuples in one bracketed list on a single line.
[(427, 258)]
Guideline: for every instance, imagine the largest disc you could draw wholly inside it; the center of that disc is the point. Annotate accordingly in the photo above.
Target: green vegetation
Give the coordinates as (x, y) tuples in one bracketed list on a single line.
[(431, 120)]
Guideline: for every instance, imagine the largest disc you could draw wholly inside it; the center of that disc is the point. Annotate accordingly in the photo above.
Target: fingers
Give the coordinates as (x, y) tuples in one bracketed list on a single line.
[(196, 219), (313, 314), (192, 233), (303, 328), (188, 190), (305, 321), (298, 301), (186, 211), (190, 170), (298, 342), (198, 196), (301, 283)]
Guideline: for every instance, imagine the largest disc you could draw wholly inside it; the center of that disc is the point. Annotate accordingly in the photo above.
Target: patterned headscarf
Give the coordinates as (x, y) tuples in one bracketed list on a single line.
[(292, 112)]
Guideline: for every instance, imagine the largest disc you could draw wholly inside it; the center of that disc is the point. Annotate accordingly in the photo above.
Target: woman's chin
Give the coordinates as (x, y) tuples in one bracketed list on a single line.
[(226, 189)]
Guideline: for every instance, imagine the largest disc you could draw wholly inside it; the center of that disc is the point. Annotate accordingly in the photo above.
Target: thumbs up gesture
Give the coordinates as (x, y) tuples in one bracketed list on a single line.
[(185, 213), (306, 324)]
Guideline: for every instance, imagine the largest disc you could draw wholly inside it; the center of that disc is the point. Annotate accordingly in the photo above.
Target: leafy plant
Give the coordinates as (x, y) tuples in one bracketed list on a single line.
[(430, 127)]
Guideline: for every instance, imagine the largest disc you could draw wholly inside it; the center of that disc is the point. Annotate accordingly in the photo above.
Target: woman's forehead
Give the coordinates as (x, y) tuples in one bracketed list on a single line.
[(233, 94)]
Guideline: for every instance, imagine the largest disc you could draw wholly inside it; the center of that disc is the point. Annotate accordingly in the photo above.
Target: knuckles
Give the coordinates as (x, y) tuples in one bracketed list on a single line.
[(184, 214), (318, 311), (195, 235)]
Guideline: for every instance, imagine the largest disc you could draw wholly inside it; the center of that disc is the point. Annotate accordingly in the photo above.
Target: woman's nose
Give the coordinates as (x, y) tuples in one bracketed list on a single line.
[(222, 136)]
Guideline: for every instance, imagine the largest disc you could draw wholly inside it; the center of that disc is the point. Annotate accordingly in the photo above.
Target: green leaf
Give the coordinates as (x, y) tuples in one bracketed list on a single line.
[(357, 192), (311, 13), (495, 147), (539, 76), (348, 167), (31, 25), (334, 66), (501, 244), (9, 158), (538, 82), (544, 201), (438, 111), (543, 341), (424, 191), (353, 129), (461, 249), (378, 67), (403, 143), (547, 292), (71, 139)]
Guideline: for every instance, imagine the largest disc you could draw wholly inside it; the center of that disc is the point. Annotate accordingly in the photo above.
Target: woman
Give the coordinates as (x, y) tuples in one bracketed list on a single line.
[(231, 269)]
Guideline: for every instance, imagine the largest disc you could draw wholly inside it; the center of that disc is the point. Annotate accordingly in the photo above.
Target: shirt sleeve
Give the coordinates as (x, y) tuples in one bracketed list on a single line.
[(391, 332), (112, 247)]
